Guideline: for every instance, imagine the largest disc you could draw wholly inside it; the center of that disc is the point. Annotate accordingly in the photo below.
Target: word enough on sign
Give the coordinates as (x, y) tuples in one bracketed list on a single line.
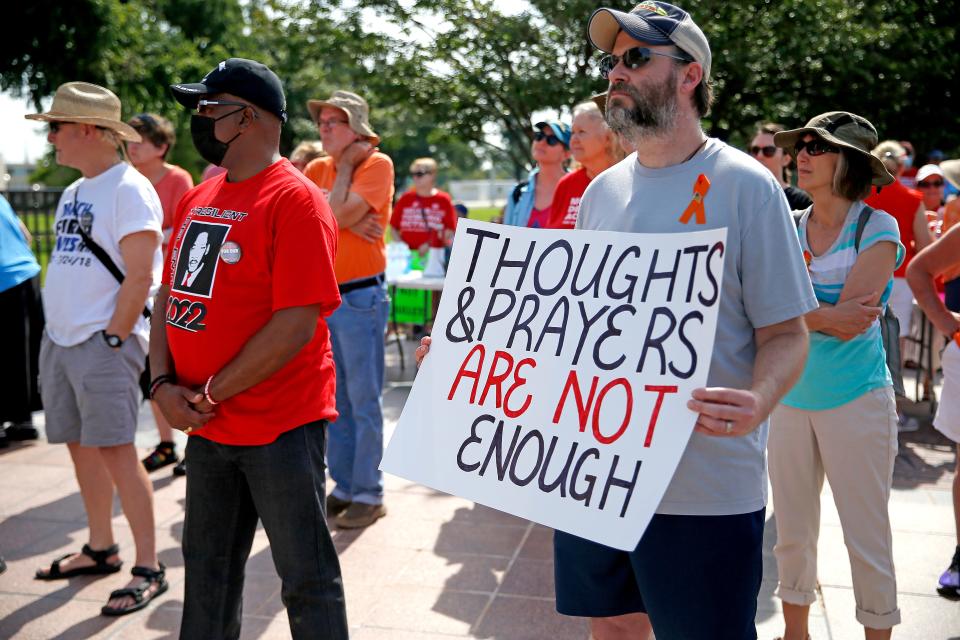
[(557, 381)]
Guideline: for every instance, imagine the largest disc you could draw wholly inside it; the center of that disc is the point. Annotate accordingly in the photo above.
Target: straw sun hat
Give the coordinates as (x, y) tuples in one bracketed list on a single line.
[(358, 113), (86, 103)]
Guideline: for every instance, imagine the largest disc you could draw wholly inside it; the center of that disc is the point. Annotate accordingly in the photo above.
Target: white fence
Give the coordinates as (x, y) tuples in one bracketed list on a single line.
[(481, 193)]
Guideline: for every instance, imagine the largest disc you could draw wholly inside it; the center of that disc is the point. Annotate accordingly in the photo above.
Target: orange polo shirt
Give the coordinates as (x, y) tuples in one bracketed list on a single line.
[(372, 181)]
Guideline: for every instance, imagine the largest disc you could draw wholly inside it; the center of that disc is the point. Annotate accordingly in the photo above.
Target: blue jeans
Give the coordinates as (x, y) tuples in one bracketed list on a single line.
[(355, 446), (228, 489)]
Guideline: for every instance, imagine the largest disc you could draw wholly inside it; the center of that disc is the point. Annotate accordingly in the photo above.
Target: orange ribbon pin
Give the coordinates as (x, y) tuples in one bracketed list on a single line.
[(700, 189)]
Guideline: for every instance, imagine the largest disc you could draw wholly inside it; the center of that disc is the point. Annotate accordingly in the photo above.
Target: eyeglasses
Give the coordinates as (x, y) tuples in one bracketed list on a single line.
[(329, 124), (936, 184), (54, 127), (420, 174), (633, 59), (226, 103), (551, 139), (768, 151), (815, 147), (221, 103)]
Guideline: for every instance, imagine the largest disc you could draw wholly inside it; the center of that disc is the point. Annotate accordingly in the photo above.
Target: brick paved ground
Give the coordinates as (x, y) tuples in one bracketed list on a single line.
[(437, 566)]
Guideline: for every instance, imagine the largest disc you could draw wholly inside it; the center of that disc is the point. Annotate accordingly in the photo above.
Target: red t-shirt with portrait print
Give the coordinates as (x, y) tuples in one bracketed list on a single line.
[(566, 200), (241, 252), (423, 220)]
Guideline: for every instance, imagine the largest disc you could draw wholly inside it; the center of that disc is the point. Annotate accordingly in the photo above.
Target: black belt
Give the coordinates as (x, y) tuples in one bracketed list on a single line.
[(372, 281)]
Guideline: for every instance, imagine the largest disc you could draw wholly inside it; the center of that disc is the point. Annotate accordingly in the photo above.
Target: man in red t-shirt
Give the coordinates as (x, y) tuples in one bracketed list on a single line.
[(243, 362), (423, 217)]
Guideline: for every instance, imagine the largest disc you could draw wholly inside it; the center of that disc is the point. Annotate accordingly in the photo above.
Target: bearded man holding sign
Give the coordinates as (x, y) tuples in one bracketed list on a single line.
[(697, 569)]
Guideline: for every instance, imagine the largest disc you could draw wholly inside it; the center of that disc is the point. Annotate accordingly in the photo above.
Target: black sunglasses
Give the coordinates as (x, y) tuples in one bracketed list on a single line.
[(633, 59), (768, 151), (936, 184), (420, 174), (551, 139), (815, 147), (53, 127)]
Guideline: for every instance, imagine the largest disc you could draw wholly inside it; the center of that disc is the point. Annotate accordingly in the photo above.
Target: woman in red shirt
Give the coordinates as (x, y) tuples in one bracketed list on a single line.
[(424, 217), (596, 148)]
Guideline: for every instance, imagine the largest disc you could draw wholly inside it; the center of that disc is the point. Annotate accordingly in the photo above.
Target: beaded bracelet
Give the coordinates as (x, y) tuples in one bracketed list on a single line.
[(206, 392)]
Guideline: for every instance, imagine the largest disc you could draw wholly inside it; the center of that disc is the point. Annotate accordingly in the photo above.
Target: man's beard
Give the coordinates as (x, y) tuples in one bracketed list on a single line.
[(653, 114)]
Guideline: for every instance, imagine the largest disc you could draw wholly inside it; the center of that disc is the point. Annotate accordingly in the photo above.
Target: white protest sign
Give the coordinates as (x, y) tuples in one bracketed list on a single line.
[(557, 382)]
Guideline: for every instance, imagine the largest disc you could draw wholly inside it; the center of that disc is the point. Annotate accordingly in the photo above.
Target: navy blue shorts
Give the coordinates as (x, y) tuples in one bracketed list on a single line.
[(697, 577)]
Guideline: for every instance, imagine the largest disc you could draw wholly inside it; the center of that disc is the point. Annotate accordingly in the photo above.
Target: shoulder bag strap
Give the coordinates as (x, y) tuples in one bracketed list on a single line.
[(861, 225), (101, 254)]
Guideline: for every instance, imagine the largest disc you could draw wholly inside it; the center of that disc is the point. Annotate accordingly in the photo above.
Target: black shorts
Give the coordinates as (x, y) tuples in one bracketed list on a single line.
[(698, 577)]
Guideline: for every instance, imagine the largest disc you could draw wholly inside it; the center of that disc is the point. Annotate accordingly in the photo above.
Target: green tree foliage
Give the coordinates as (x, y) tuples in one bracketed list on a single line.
[(451, 78)]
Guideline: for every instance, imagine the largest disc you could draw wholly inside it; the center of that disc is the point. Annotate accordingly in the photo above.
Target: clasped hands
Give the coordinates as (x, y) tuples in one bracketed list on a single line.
[(185, 409)]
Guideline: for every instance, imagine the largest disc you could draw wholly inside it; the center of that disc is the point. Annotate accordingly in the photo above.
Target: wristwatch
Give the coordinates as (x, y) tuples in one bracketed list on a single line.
[(114, 342)]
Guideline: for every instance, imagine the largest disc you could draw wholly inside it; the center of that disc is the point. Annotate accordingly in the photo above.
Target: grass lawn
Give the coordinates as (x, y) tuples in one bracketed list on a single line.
[(484, 214)]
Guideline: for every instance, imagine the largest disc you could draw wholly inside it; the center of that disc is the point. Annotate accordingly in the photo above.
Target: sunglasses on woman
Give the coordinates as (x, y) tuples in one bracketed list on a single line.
[(420, 174), (633, 59), (768, 151), (933, 184), (815, 147), (551, 139)]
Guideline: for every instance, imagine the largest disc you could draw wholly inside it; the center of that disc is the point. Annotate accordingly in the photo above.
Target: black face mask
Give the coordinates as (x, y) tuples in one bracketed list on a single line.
[(202, 130)]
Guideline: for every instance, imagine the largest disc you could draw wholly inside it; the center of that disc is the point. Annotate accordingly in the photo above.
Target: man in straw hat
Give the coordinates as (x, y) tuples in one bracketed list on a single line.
[(697, 569), (243, 360), (358, 181), (97, 334)]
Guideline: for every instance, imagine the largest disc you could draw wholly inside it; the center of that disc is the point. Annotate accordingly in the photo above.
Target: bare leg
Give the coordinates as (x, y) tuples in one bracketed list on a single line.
[(96, 489), (877, 634), (632, 626), (136, 497), (795, 618), (163, 427)]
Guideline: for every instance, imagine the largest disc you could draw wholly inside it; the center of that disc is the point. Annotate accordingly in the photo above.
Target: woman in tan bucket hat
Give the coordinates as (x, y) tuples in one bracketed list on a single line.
[(95, 343), (840, 419)]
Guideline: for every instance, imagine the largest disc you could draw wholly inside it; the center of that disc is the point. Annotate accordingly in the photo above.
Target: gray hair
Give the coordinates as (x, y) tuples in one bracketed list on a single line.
[(891, 153), (589, 107)]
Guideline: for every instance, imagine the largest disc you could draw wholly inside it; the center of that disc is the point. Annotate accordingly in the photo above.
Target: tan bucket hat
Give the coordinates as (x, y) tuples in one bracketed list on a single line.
[(358, 113), (87, 103), (951, 171), (844, 129)]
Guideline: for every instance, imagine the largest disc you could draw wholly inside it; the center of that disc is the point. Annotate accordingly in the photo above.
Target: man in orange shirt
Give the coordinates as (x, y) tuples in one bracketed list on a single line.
[(358, 181)]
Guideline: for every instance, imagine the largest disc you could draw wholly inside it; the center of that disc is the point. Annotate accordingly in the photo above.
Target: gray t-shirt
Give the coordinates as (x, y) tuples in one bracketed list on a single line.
[(764, 282)]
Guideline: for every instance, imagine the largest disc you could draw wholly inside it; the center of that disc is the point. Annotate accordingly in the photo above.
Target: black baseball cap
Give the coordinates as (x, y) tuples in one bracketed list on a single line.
[(247, 79)]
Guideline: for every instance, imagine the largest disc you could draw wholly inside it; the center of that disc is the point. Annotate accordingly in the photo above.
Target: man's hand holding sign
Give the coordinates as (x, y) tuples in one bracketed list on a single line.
[(563, 363)]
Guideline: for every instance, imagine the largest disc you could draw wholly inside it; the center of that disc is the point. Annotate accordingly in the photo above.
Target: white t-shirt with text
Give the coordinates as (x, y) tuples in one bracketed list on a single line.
[(80, 294)]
